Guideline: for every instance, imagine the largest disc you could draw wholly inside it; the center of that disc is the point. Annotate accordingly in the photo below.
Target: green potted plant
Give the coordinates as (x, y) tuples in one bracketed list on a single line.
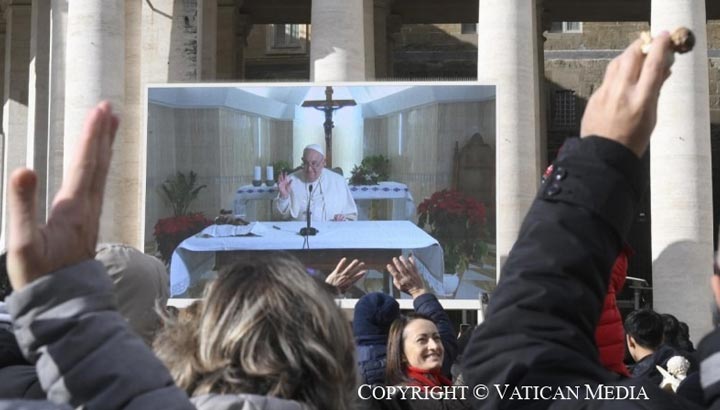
[(179, 191), (457, 221), (371, 171), (280, 167)]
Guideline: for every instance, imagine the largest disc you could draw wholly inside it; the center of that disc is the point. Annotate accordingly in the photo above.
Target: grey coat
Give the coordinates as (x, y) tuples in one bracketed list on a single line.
[(86, 355)]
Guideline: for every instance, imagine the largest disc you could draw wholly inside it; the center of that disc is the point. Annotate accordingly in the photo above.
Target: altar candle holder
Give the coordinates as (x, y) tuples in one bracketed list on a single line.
[(257, 176)]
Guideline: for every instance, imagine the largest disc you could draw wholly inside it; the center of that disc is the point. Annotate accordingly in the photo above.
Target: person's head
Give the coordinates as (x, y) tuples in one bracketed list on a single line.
[(644, 332), (414, 340), (141, 286), (265, 327), (671, 330), (374, 313), (313, 162)]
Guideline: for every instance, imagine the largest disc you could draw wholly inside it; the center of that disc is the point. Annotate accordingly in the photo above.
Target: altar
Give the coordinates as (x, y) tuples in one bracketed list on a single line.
[(377, 241), (403, 205)]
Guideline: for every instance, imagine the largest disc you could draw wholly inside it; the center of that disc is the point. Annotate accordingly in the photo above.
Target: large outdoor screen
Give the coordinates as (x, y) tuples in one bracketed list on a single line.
[(418, 160)]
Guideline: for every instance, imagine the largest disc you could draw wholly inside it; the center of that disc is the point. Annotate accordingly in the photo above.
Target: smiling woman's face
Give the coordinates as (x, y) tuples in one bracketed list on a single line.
[(422, 345)]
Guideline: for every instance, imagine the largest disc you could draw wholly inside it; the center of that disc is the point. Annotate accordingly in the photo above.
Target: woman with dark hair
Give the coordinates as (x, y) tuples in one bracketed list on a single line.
[(685, 343), (415, 353), (671, 331), (375, 313)]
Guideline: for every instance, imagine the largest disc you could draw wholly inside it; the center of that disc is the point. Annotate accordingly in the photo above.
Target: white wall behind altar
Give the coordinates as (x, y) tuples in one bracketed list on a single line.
[(221, 145), (420, 141)]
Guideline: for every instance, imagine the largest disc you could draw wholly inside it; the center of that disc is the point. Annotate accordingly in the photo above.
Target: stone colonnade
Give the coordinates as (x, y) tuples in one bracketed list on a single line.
[(113, 49)]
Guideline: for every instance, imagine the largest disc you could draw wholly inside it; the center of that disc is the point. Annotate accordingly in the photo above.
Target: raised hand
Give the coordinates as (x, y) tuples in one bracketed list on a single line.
[(343, 277), (624, 107), (71, 232), (406, 277), (284, 185)]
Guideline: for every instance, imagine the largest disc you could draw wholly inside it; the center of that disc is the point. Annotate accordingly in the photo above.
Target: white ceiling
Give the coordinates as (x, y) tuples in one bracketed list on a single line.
[(280, 101)]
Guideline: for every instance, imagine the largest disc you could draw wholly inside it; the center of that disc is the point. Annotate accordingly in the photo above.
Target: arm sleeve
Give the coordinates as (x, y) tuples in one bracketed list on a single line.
[(85, 354), (542, 317), (428, 305), (282, 207), (350, 209)]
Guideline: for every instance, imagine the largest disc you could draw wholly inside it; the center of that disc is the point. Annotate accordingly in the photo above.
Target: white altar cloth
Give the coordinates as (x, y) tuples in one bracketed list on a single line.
[(195, 256), (403, 203)]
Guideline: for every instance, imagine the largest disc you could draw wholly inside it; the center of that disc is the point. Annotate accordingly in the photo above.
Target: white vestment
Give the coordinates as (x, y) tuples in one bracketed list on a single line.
[(330, 195)]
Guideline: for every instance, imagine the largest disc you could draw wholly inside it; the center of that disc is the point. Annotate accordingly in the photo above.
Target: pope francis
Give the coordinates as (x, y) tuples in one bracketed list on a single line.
[(329, 196)]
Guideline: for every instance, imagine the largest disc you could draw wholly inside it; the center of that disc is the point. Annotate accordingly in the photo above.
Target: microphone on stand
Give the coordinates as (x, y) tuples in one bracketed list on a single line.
[(308, 230)]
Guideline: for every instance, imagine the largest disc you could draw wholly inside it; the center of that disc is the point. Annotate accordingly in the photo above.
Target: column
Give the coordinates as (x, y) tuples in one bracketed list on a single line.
[(242, 29), (95, 70), (56, 107), (337, 48), (207, 39), (161, 46), (680, 175), (37, 133), (225, 40), (542, 25), (2, 134), (508, 58), (383, 42), (166, 31), (393, 37), (17, 59), (369, 38)]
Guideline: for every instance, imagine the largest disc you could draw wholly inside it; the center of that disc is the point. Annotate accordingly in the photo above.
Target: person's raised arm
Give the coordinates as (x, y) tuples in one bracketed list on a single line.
[(624, 108), (541, 318), (63, 306), (406, 278), (70, 235), (343, 277), (282, 203), (284, 183)]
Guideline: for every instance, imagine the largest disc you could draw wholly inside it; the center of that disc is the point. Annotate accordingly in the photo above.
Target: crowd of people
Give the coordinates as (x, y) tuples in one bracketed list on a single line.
[(86, 326)]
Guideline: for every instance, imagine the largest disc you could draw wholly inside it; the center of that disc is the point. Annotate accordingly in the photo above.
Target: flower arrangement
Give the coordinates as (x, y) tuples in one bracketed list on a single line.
[(372, 169), (170, 232), (457, 221), (179, 191)]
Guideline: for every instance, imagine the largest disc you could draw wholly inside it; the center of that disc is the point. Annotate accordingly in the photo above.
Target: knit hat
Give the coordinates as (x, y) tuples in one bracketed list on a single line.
[(374, 313), (140, 282)]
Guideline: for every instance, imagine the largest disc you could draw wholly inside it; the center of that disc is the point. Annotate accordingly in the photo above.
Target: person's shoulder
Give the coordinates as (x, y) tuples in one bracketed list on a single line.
[(664, 353), (329, 174)]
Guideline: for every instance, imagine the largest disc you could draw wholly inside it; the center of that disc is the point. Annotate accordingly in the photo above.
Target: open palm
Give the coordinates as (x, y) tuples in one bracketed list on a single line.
[(71, 232)]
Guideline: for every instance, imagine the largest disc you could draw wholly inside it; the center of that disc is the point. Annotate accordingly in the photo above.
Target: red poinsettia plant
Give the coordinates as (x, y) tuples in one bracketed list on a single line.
[(457, 221), (170, 232), (179, 191)]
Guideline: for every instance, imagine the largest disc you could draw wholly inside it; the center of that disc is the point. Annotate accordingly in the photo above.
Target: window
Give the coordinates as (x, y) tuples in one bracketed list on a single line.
[(468, 28), (286, 38), (564, 110), (566, 27)]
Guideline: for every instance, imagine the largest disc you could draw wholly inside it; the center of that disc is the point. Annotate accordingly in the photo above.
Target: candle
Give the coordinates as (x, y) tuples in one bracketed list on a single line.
[(257, 175), (269, 172)]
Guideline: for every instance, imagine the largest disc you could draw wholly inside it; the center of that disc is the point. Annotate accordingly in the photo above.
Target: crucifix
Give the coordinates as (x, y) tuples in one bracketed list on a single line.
[(328, 106)]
